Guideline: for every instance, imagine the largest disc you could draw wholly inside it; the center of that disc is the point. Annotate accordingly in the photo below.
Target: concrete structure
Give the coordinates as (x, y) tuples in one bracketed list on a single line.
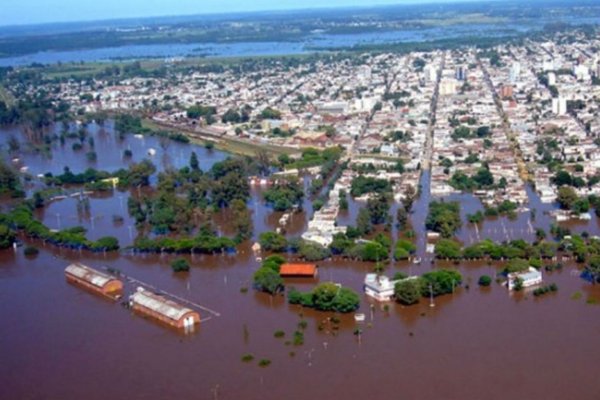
[(515, 71), (380, 287), (507, 91), (95, 281), (162, 309), (299, 270), (559, 106), (530, 277)]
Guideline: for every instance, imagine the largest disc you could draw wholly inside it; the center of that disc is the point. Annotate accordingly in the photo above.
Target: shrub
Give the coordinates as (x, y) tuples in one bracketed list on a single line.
[(268, 280), (298, 338), (247, 357), (180, 265), (31, 251), (484, 280), (264, 363), (279, 334), (408, 291)]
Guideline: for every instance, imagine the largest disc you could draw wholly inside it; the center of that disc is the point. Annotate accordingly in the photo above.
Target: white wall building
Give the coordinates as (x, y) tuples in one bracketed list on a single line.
[(530, 277)]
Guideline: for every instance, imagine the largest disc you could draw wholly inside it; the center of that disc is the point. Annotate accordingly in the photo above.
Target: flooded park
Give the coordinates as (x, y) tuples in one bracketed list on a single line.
[(60, 342)]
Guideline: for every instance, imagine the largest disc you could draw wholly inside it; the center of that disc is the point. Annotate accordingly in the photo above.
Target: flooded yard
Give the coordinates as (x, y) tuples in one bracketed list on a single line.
[(60, 342)]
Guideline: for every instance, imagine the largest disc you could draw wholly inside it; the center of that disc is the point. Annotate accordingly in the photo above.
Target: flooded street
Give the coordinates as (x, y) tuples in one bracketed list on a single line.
[(60, 342)]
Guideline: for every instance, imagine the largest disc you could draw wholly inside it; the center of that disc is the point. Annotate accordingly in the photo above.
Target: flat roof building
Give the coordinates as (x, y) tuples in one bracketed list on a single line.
[(163, 309), (95, 281)]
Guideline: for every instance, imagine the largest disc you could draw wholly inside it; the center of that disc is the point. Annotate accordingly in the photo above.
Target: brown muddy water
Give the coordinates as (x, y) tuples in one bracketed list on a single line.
[(60, 342)]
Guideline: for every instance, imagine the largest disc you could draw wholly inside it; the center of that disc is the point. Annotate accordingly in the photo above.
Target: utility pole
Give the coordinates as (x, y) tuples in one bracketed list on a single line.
[(431, 303)]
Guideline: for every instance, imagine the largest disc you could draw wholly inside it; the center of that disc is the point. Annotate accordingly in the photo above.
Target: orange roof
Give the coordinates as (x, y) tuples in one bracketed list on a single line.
[(298, 270)]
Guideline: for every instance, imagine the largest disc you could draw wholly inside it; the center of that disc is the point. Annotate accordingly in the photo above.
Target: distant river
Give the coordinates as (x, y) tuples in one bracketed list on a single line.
[(309, 44)]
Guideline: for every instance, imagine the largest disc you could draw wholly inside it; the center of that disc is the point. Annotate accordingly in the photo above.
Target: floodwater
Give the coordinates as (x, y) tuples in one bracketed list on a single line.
[(60, 342)]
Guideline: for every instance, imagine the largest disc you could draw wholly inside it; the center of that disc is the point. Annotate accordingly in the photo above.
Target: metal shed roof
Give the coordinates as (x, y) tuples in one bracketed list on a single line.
[(159, 304), (88, 274)]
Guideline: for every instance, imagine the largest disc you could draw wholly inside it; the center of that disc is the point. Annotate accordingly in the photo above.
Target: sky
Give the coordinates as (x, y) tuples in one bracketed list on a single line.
[(24, 12)]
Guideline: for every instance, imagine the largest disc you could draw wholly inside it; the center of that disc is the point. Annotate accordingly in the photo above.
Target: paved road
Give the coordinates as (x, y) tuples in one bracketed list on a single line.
[(428, 151)]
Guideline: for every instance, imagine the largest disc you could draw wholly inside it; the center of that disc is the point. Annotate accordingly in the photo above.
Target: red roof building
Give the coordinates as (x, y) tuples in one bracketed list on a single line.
[(303, 270)]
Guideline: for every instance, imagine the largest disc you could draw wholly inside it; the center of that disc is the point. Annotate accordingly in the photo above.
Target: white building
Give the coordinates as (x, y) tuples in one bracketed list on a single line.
[(447, 87), (530, 277), (515, 72), (379, 287), (582, 72), (559, 106)]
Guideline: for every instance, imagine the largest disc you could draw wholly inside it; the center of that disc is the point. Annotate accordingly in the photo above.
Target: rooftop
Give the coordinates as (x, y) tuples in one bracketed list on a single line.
[(159, 304), (88, 274)]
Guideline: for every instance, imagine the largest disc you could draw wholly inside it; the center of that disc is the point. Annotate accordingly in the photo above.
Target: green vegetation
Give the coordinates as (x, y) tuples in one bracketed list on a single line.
[(346, 245), (298, 338), (507, 207), (326, 297), (464, 132), (443, 218), (545, 289), (448, 249), (284, 195), (311, 251), (270, 113), (206, 241), (484, 280), (266, 278), (443, 281), (186, 199), (362, 185), (312, 157), (592, 269), (404, 249), (247, 358), (408, 291), (518, 284), (482, 179), (377, 249), (21, 218), (180, 265), (132, 124), (9, 181), (7, 236), (263, 363), (272, 241)]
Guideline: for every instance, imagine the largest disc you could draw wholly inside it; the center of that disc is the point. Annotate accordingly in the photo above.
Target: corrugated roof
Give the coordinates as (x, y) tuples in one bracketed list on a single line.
[(88, 274), (159, 304), (298, 269)]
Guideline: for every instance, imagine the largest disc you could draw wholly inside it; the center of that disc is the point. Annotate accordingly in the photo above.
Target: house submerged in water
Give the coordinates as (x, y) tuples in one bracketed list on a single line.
[(299, 270), (163, 310), (95, 281), (380, 287), (531, 277)]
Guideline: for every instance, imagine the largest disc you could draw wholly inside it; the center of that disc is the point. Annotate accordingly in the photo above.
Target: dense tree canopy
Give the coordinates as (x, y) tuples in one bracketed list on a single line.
[(443, 218)]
